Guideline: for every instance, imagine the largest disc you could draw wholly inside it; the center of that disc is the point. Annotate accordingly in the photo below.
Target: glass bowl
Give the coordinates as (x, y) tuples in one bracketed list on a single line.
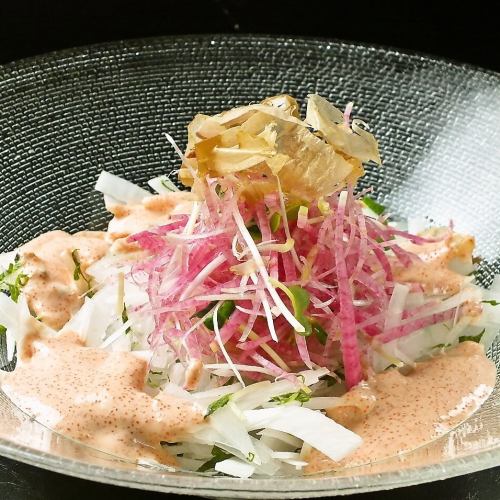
[(65, 116)]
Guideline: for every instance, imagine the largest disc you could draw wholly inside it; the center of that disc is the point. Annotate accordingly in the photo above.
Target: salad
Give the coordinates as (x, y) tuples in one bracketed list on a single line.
[(272, 319)]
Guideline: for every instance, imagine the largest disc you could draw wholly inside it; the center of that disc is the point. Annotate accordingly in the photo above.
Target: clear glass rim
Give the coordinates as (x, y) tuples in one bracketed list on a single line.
[(304, 486)]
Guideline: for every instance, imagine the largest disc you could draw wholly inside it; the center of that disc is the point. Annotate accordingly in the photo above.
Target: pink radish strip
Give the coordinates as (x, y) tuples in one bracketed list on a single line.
[(172, 226), (373, 286), (347, 114), (252, 345), (363, 245), (276, 370), (231, 328), (272, 201), (288, 267), (250, 312), (350, 349), (382, 259), (303, 350), (406, 258), (263, 222), (418, 324), (249, 326), (148, 241)]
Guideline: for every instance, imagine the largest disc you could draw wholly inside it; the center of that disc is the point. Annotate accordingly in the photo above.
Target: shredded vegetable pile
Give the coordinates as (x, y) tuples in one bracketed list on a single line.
[(274, 286)]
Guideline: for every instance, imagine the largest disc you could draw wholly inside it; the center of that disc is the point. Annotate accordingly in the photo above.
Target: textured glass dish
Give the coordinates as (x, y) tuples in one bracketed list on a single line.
[(66, 116)]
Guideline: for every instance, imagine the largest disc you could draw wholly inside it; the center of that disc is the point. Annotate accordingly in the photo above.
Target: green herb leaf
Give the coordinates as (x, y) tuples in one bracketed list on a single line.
[(300, 303), (218, 456), (300, 396), (491, 302), (225, 310), (472, 338), (373, 205), (274, 222), (250, 456), (465, 338), (218, 404), (12, 280), (125, 318), (78, 273)]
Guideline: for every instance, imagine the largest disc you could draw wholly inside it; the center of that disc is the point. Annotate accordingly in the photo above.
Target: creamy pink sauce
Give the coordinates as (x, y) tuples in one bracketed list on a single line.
[(153, 211), (52, 293), (433, 271), (412, 410), (96, 397)]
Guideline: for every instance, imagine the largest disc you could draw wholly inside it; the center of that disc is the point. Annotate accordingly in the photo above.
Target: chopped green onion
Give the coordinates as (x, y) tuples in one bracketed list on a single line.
[(225, 310), (255, 232), (300, 302), (125, 318), (374, 206), (301, 396), (292, 213), (320, 332), (218, 404), (275, 221), (12, 280), (491, 302)]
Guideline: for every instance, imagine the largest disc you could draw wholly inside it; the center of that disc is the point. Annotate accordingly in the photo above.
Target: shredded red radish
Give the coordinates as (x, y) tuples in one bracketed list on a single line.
[(345, 263)]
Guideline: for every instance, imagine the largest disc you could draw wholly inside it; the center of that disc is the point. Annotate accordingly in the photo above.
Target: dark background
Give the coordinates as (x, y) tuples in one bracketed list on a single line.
[(466, 32)]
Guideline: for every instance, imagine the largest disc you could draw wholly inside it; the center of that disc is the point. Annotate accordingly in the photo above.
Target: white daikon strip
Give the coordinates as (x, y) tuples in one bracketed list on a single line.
[(227, 423), (235, 467), (309, 425), (122, 190)]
